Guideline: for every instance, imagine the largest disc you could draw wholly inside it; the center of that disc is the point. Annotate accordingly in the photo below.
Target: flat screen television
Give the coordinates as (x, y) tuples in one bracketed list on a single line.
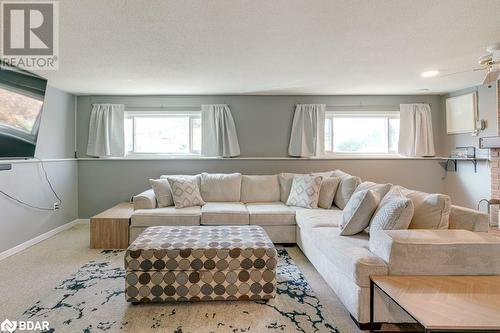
[(21, 102)]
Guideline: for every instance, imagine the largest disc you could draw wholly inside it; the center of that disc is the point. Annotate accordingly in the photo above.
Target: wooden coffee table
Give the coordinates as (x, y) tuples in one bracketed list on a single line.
[(444, 303)]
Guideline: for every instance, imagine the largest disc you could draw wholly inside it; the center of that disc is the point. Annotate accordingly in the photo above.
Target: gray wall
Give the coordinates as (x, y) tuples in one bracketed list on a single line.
[(465, 186), (26, 181), (263, 124)]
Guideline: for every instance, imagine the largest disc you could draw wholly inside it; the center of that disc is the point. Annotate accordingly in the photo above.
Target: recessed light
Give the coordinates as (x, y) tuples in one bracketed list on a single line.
[(431, 73)]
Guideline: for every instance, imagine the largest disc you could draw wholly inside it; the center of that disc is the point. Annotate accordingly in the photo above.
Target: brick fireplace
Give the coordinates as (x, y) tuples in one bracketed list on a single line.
[(495, 168)]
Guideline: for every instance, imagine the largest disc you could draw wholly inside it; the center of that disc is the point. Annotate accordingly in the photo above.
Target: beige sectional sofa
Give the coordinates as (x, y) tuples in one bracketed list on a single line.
[(442, 239)]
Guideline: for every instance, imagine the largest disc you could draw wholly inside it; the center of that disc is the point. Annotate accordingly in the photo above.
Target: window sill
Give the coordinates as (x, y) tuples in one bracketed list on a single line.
[(269, 158)]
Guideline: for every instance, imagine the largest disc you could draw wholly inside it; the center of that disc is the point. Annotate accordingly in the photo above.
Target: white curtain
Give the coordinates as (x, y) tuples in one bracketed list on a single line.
[(415, 132), (106, 131), (308, 131), (219, 136)]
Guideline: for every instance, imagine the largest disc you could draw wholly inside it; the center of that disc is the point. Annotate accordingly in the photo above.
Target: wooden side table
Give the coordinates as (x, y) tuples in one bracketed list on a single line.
[(110, 229), (443, 303)]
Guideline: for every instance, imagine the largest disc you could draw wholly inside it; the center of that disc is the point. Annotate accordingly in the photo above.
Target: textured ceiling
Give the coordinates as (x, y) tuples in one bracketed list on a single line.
[(271, 47)]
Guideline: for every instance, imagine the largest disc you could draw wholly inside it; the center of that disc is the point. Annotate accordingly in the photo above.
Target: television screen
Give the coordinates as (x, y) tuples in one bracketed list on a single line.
[(21, 102)]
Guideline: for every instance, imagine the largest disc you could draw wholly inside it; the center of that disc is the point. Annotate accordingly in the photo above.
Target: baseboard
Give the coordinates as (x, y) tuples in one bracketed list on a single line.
[(40, 238)]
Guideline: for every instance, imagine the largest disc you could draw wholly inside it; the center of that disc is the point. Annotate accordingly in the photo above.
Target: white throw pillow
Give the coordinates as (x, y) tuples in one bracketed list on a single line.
[(220, 187), (305, 191), (329, 186), (185, 192), (358, 212), (394, 212), (162, 191), (347, 186), (378, 189)]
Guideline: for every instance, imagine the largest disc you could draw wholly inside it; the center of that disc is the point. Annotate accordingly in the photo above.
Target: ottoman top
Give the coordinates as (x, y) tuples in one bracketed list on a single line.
[(156, 247)]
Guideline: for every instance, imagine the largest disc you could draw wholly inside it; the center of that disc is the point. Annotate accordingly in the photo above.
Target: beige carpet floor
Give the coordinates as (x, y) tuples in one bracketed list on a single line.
[(27, 276)]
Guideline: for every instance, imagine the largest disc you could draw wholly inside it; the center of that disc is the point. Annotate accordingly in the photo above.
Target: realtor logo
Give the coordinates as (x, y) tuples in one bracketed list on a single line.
[(8, 326), (30, 34)]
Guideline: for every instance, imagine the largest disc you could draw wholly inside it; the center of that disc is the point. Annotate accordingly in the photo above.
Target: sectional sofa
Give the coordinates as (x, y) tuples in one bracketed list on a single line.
[(442, 239)]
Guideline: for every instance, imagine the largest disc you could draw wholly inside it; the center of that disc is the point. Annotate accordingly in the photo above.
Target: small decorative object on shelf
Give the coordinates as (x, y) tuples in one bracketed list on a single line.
[(463, 152)]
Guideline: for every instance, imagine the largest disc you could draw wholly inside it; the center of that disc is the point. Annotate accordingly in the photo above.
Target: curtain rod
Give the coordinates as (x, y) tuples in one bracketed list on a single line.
[(158, 105)]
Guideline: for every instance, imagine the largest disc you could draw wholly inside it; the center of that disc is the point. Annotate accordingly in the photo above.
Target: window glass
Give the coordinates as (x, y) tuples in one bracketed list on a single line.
[(163, 133)]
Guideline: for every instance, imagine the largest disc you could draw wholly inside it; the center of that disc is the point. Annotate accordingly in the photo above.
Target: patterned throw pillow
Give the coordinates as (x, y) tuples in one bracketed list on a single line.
[(305, 191), (394, 212), (162, 191), (358, 212), (185, 192)]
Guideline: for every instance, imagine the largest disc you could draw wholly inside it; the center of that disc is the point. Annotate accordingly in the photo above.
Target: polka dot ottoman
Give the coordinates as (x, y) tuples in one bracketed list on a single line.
[(200, 263)]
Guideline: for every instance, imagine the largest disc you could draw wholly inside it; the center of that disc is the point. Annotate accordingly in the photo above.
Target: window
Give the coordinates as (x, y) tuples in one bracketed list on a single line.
[(163, 132), (356, 132)]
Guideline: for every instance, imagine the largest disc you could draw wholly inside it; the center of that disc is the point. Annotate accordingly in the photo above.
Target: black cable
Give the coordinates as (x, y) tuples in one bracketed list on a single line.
[(48, 180), (33, 206)]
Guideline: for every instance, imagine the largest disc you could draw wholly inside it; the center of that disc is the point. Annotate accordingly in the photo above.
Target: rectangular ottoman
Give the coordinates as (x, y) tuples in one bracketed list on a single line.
[(200, 263)]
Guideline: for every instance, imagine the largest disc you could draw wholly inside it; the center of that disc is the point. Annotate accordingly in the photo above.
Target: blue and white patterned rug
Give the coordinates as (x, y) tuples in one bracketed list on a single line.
[(92, 300)]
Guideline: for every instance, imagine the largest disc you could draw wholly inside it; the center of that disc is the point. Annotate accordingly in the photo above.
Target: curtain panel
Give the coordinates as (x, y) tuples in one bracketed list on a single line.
[(308, 131), (219, 137), (415, 133), (106, 131)]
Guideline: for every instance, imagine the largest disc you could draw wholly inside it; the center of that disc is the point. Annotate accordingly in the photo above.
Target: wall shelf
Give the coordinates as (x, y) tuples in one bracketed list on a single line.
[(457, 159)]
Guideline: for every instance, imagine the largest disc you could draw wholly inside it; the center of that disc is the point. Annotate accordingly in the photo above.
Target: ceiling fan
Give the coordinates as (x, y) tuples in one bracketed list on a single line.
[(489, 62)]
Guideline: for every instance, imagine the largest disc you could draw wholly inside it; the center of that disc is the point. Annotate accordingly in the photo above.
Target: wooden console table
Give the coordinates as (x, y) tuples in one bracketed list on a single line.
[(110, 229), (444, 303)]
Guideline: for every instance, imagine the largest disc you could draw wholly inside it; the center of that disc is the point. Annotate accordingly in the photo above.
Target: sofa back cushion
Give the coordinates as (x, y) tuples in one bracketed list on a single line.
[(347, 186), (218, 187), (432, 211), (260, 188), (286, 180)]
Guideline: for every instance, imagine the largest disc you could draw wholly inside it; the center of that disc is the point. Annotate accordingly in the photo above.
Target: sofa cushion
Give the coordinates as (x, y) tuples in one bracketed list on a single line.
[(286, 181), (220, 187), (432, 211), (348, 255), (347, 186), (437, 252), (166, 216), (327, 191), (185, 191), (394, 212), (305, 191), (260, 188), (162, 191), (275, 213), (378, 189), (315, 218), (224, 213), (358, 212)]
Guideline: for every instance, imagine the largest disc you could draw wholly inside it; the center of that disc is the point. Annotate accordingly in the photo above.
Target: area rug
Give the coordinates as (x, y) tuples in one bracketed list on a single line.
[(92, 300)]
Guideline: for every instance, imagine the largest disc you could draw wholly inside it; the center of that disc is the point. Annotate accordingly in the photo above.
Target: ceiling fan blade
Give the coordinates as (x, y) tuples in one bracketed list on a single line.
[(462, 72)]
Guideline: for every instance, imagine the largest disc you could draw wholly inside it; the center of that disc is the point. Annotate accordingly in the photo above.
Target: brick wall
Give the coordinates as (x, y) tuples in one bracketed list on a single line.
[(495, 169)]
